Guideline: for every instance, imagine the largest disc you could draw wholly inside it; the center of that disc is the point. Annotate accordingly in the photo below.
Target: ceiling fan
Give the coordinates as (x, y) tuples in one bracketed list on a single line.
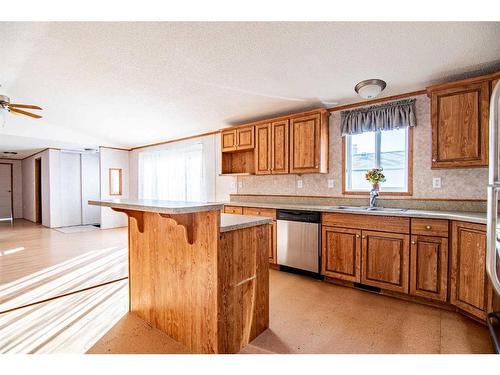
[(7, 106)]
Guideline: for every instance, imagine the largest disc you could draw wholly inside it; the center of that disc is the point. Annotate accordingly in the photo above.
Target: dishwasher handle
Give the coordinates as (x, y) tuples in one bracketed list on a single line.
[(301, 216)]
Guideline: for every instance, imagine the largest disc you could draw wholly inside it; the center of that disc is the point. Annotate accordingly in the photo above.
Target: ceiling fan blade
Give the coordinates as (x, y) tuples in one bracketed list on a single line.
[(24, 113), (25, 106)]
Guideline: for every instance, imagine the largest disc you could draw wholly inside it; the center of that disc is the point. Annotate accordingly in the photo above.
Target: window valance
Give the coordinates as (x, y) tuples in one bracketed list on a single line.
[(394, 115)]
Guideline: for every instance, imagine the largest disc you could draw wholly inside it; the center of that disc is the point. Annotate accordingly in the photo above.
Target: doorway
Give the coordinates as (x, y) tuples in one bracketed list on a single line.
[(38, 191), (6, 196)]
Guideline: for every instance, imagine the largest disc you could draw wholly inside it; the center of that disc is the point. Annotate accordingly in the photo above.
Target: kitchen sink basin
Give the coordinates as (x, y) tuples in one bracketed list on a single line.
[(366, 208)]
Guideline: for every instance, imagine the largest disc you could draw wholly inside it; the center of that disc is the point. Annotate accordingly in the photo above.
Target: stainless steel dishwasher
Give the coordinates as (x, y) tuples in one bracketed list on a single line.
[(298, 244)]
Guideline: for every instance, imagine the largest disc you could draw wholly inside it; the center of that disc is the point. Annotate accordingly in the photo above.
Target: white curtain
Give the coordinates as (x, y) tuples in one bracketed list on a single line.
[(175, 174)]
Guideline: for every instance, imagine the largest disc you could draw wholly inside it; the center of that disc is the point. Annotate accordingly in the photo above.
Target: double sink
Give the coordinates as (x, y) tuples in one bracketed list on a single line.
[(368, 208)]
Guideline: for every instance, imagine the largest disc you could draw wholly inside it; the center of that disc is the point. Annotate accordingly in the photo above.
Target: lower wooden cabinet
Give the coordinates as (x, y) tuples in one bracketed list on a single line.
[(429, 267), (469, 282), (341, 253), (385, 260)]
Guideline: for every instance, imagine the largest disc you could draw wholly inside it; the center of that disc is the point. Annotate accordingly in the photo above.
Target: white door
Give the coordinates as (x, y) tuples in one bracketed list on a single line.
[(90, 189), (71, 196), (5, 191)]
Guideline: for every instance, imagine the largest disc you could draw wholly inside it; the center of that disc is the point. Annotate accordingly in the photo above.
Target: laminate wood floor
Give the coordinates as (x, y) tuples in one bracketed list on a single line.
[(38, 263)]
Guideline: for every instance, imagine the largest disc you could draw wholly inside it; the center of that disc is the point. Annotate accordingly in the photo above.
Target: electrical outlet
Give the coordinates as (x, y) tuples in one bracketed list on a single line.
[(240, 185), (436, 182), (233, 185), (300, 184), (330, 183)]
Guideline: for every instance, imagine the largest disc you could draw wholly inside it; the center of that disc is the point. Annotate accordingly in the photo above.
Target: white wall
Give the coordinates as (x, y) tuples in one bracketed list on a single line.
[(28, 178), (90, 188), (113, 158), (219, 187), (17, 186)]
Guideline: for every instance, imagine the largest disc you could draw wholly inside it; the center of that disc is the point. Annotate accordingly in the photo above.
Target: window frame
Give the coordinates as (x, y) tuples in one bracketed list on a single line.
[(409, 177)]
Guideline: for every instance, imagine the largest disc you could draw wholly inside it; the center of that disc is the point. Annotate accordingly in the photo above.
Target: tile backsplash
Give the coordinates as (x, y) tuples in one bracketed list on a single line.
[(456, 183)]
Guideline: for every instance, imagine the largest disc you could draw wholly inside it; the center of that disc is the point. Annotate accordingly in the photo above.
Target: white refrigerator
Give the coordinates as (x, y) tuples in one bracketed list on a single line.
[(493, 228)]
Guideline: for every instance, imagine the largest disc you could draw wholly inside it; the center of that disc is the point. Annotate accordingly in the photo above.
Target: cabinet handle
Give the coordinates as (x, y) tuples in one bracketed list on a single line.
[(428, 227), (413, 242), (357, 236), (433, 159), (363, 237)]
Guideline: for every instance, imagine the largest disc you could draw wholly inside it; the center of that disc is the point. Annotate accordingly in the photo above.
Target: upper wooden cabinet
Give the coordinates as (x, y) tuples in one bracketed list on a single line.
[(237, 139), (459, 115), (309, 143), (469, 282), (296, 143), (271, 148)]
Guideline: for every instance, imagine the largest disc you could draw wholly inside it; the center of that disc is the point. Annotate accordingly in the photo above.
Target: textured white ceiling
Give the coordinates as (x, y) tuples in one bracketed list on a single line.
[(129, 84)]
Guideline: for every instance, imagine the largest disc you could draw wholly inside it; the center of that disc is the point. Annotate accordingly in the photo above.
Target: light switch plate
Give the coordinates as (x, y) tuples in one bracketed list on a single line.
[(233, 185), (330, 183), (436, 182), (300, 184)]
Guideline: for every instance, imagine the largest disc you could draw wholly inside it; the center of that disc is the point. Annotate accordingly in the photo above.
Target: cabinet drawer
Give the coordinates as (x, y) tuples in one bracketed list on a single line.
[(392, 224), (233, 210), (429, 227), (255, 211)]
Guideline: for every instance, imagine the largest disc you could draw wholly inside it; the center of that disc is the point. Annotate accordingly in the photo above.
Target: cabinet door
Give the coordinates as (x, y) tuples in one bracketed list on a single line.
[(305, 144), (245, 138), (228, 140), (279, 145), (429, 267), (460, 126), (385, 260), (468, 269), (263, 142), (341, 253)]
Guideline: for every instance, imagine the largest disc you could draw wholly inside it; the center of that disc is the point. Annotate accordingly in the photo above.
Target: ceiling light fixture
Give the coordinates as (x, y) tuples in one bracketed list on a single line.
[(370, 88)]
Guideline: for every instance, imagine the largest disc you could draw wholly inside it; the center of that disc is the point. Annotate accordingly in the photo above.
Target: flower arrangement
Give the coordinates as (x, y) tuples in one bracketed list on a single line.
[(375, 176)]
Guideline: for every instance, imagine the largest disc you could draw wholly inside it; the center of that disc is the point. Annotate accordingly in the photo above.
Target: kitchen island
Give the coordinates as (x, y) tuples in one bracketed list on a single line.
[(201, 278)]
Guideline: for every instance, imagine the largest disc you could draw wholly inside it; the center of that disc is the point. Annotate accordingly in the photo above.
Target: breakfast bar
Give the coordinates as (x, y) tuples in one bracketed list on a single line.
[(196, 274)]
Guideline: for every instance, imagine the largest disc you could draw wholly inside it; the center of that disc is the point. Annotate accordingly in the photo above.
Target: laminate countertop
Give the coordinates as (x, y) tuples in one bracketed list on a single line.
[(229, 222), (162, 207), (472, 217)]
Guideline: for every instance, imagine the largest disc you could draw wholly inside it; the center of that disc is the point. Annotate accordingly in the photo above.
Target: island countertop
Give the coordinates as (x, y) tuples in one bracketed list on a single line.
[(162, 207), (229, 222)]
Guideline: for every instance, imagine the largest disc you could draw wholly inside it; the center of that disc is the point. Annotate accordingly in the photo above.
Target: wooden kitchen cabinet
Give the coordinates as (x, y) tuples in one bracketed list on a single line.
[(309, 143), (385, 260), (271, 148), (228, 140), (237, 146), (459, 115), (341, 253), (468, 281), (239, 139), (429, 267)]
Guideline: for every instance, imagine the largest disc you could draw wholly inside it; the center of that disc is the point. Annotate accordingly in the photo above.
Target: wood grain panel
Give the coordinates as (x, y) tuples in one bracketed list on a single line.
[(263, 148), (233, 210), (185, 307), (228, 140), (341, 253), (238, 162), (429, 267), (256, 211), (280, 145), (245, 139), (460, 126), (393, 224), (305, 144), (385, 260), (243, 300), (468, 268), (430, 227)]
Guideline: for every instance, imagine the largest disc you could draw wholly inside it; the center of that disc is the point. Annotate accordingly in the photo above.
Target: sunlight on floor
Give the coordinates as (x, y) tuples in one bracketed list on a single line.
[(90, 269), (69, 324), (11, 251)]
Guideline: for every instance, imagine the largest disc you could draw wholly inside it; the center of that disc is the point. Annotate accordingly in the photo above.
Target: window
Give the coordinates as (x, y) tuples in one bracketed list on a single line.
[(386, 149), (175, 174)]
